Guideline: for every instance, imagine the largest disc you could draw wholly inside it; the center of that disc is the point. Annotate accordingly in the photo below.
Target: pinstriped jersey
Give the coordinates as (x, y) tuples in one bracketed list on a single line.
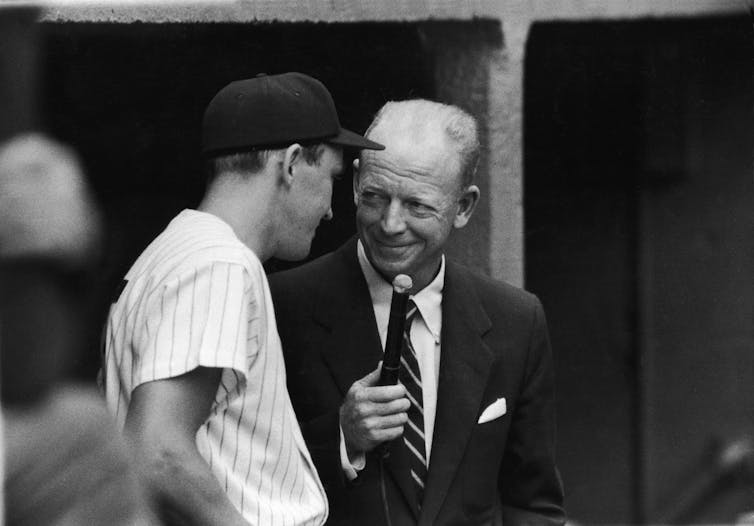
[(197, 296)]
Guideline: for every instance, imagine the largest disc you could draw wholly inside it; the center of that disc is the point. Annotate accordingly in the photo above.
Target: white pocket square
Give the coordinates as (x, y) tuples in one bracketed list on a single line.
[(495, 410)]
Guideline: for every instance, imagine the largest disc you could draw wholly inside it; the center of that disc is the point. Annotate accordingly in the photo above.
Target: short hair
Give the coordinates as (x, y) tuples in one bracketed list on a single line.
[(252, 161), (459, 127)]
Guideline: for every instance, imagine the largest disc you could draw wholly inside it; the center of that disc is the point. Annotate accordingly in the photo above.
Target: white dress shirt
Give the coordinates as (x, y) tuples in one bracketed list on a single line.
[(425, 337)]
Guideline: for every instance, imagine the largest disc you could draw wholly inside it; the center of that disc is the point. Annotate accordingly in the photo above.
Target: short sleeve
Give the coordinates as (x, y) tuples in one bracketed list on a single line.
[(199, 318)]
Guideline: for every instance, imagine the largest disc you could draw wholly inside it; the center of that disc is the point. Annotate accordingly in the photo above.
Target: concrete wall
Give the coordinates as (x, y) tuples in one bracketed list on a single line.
[(126, 11), (494, 83)]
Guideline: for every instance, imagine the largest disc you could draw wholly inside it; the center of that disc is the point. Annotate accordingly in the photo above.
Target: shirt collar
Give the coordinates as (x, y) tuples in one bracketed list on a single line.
[(428, 300)]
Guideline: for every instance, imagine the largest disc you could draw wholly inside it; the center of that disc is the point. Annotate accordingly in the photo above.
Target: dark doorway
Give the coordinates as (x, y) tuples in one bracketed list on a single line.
[(639, 213), (129, 98), (582, 125)]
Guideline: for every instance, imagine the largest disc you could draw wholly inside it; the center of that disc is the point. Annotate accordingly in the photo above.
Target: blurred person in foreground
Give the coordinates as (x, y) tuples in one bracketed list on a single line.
[(470, 428), (194, 368), (65, 462)]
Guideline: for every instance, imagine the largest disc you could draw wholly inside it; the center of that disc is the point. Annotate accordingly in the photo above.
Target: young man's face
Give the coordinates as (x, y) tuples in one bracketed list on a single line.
[(310, 202)]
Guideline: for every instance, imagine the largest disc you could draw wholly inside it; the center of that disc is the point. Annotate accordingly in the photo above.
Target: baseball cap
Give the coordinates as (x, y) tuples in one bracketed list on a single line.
[(270, 111)]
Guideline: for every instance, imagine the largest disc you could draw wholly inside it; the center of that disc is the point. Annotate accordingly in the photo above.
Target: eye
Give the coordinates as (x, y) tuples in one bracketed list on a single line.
[(369, 196), (419, 209)]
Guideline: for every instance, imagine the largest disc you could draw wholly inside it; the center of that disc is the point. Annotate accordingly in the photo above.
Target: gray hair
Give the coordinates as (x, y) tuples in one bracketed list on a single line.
[(459, 127)]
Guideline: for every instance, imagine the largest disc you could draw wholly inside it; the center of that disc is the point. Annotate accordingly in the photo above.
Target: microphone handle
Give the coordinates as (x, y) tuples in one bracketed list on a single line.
[(391, 360)]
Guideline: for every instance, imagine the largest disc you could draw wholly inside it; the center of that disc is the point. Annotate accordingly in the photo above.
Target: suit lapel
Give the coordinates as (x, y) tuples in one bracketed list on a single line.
[(464, 367), (354, 347)]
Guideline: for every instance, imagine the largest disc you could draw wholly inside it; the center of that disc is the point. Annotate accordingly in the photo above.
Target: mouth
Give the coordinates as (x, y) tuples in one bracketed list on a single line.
[(396, 252), (392, 246)]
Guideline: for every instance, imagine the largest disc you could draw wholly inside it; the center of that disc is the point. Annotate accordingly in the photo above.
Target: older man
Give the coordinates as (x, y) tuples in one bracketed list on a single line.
[(194, 369), (471, 428)]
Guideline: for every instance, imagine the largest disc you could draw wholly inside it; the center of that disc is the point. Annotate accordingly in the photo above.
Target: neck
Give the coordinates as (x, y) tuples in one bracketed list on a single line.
[(424, 277), (420, 279), (245, 204)]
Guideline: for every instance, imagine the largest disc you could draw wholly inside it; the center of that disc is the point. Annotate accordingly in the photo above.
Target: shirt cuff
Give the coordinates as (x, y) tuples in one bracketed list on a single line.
[(351, 469)]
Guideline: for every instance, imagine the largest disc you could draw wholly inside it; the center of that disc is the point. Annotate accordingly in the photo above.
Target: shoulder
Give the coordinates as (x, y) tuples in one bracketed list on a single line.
[(323, 273), (493, 292), (194, 251), (510, 309), (204, 240), (326, 284)]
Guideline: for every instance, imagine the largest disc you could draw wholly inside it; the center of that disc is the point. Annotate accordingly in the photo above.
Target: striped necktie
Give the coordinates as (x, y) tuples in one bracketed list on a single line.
[(413, 432)]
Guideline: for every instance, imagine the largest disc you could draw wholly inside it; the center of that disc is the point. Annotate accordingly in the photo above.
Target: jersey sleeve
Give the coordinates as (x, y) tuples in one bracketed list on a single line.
[(205, 317)]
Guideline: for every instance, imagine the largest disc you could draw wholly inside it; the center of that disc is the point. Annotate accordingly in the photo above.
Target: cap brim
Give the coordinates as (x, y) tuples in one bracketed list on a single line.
[(349, 139)]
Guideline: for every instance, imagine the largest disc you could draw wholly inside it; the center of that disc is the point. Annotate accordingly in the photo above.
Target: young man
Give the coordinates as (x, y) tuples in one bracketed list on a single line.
[(194, 368)]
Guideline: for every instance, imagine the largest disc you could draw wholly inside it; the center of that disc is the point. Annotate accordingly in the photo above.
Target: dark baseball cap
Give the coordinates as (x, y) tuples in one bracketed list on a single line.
[(274, 111)]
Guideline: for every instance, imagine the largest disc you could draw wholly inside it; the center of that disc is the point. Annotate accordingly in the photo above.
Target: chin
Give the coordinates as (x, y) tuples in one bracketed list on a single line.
[(391, 268)]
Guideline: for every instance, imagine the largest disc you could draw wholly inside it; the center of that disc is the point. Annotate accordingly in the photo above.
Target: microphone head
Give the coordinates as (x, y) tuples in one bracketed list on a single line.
[(402, 283)]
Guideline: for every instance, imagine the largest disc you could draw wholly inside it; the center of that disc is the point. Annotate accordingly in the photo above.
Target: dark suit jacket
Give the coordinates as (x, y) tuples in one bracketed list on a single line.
[(494, 344)]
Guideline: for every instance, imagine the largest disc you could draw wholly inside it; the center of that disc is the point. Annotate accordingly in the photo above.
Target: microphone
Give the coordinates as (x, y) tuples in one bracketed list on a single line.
[(391, 361)]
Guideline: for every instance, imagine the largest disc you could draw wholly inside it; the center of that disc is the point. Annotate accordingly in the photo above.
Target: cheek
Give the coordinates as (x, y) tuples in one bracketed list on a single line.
[(366, 216), (432, 231), (319, 195)]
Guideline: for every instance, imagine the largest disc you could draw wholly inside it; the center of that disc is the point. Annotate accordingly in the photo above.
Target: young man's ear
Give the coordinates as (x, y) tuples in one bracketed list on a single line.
[(355, 181), (466, 205), (291, 158)]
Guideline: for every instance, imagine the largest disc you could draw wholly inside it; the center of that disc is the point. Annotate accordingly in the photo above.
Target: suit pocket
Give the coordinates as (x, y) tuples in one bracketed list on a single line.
[(481, 466)]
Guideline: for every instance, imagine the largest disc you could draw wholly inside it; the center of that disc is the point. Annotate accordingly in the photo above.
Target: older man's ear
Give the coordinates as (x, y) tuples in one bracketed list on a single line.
[(466, 205)]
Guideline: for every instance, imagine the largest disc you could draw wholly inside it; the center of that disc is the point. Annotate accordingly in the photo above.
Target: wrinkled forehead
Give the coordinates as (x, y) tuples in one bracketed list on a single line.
[(412, 154)]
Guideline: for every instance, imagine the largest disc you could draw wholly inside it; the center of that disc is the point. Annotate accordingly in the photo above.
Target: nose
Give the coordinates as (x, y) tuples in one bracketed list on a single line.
[(329, 214), (392, 218)]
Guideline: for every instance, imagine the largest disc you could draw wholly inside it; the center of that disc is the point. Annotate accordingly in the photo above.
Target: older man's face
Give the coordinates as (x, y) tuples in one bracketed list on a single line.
[(407, 203)]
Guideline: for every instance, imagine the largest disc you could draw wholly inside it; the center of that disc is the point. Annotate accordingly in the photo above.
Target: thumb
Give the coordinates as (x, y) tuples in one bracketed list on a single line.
[(372, 378)]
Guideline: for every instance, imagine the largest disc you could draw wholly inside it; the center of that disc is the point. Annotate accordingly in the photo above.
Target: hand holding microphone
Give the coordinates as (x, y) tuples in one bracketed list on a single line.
[(374, 408)]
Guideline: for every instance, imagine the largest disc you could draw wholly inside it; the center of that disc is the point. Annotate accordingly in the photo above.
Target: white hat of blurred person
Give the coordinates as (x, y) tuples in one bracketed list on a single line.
[(46, 208)]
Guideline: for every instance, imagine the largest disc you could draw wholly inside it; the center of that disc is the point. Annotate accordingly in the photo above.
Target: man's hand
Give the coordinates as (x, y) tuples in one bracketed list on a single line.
[(372, 414)]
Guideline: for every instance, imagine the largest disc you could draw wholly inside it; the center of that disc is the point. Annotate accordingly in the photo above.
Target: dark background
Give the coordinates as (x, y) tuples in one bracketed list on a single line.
[(638, 203), (639, 240), (130, 98)]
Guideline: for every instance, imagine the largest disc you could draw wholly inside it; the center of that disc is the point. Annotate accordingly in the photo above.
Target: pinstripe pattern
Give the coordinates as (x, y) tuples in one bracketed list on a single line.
[(413, 433), (198, 297)]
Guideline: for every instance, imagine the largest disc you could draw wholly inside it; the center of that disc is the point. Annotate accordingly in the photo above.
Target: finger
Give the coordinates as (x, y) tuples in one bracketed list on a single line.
[(385, 393), (390, 433), (401, 405), (391, 421)]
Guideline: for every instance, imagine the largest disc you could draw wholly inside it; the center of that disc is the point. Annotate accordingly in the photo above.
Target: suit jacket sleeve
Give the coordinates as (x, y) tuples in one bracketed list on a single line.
[(322, 436), (530, 485)]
